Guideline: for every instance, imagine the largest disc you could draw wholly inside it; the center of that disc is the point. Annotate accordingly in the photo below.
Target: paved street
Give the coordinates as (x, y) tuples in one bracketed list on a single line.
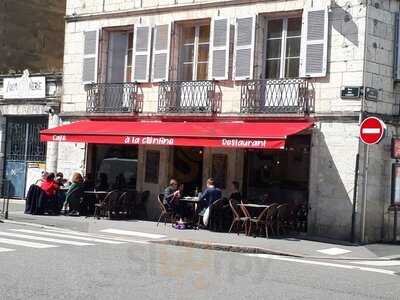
[(43, 263)]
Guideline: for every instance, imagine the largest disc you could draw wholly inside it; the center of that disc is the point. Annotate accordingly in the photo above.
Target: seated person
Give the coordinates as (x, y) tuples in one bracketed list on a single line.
[(74, 194), (209, 196), (88, 184), (235, 196), (50, 186), (103, 183), (171, 199), (60, 179)]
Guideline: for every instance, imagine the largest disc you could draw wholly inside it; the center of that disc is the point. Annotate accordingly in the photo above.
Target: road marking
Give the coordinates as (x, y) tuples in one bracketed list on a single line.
[(89, 239), (44, 239), (67, 231), (26, 244), (378, 263), (371, 130), (133, 233), (6, 250), (334, 251), (325, 264)]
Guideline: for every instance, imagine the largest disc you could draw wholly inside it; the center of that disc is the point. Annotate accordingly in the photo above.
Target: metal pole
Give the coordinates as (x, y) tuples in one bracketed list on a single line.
[(353, 215), (364, 208), (395, 224)]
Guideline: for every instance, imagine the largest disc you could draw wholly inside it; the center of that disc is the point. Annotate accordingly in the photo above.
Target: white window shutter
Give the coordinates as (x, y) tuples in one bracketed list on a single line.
[(314, 43), (244, 47), (161, 48), (141, 53), (90, 49), (219, 49), (396, 67)]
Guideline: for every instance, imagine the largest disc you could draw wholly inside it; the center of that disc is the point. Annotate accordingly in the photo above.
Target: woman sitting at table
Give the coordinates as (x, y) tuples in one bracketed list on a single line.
[(74, 194), (50, 187)]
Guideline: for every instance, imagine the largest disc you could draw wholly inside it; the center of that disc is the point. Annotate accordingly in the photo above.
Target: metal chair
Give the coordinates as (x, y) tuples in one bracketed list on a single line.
[(104, 207), (165, 212), (237, 219)]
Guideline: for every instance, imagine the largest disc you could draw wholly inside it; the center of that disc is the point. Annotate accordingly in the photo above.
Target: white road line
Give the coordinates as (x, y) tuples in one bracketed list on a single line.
[(25, 244), (6, 250), (371, 130), (67, 231), (325, 264), (334, 251), (378, 263), (44, 239), (89, 239), (133, 233)]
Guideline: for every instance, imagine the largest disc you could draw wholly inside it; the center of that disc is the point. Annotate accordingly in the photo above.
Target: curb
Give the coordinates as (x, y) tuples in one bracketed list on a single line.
[(258, 250), (228, 247)]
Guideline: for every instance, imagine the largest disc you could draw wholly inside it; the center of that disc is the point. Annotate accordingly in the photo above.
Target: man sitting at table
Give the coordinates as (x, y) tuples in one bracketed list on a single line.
[(209, 196), (172, 197)]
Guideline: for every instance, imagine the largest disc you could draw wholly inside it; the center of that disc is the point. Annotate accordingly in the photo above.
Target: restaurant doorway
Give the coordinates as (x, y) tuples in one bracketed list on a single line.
[(188, 168), (281, 176)]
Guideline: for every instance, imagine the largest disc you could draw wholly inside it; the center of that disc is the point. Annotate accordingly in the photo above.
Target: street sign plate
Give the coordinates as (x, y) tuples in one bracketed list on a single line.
[(372, 130), (350, 92)]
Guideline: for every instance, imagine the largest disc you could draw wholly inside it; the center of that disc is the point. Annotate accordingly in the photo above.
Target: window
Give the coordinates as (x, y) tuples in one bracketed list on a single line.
[(194, 52), (283, 48), (119, 60)]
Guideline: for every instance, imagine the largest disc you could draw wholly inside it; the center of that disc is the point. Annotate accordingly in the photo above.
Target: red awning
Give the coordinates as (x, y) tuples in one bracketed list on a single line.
[(265, 135)]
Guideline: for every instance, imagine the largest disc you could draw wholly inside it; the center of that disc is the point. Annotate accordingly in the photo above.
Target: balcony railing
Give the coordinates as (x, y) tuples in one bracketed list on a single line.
[(276, 96), (189, 97), (114, 98)]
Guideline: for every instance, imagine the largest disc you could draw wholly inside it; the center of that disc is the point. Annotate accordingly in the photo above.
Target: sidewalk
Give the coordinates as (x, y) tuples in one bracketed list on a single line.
[(292, 246)]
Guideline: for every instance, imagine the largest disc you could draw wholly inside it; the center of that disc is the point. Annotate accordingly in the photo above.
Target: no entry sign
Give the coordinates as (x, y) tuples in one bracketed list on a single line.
[(372, 130)]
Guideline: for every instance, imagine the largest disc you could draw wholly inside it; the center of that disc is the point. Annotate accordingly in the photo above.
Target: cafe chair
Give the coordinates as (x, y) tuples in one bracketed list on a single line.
[(283, 219), (141, 203), (237, 219), (103, 207), (264, 219), (166, 213)]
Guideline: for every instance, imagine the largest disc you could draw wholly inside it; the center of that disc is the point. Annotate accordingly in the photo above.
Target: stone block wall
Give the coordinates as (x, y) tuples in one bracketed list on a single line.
[(345, 54)]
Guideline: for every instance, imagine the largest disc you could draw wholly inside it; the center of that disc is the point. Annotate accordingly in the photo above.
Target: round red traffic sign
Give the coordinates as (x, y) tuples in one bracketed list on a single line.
[(372, 130)]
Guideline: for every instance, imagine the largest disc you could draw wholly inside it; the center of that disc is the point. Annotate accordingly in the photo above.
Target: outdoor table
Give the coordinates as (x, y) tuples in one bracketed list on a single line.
[(194, 201), (96, 192), (251, 205)]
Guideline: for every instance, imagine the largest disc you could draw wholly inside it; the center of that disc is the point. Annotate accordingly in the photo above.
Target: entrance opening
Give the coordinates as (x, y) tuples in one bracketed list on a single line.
[(279, 176), (118, 163), (188, 168)]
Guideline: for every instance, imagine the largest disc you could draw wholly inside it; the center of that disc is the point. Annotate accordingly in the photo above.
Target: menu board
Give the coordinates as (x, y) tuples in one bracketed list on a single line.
[(152, 166), (396, 183)]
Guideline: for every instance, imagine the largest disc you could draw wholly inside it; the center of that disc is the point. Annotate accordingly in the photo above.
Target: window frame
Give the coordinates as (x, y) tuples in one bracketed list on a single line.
[(196, 44), (284, 37)]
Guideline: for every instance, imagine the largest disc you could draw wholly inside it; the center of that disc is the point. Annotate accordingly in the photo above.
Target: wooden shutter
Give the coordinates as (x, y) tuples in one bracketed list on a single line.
[(161, 47), (244, 47), (219, 49), (141, 53), (314, 42), (89, 70)]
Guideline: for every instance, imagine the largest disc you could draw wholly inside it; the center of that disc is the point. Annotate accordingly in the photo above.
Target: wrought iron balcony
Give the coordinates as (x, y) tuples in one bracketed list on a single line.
[(189, 97), (276, 96), (114, 97)]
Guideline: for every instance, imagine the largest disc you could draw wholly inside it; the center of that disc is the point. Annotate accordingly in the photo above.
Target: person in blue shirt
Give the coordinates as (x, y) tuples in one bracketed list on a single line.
[(209, 196)]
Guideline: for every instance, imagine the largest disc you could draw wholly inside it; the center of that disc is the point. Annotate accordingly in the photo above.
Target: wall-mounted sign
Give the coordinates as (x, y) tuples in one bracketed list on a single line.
[(371, 94), (395, 183), (25, 87), (351, 92)]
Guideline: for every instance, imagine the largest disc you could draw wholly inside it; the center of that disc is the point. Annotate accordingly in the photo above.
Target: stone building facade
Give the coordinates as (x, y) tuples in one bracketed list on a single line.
[(355, 49)]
